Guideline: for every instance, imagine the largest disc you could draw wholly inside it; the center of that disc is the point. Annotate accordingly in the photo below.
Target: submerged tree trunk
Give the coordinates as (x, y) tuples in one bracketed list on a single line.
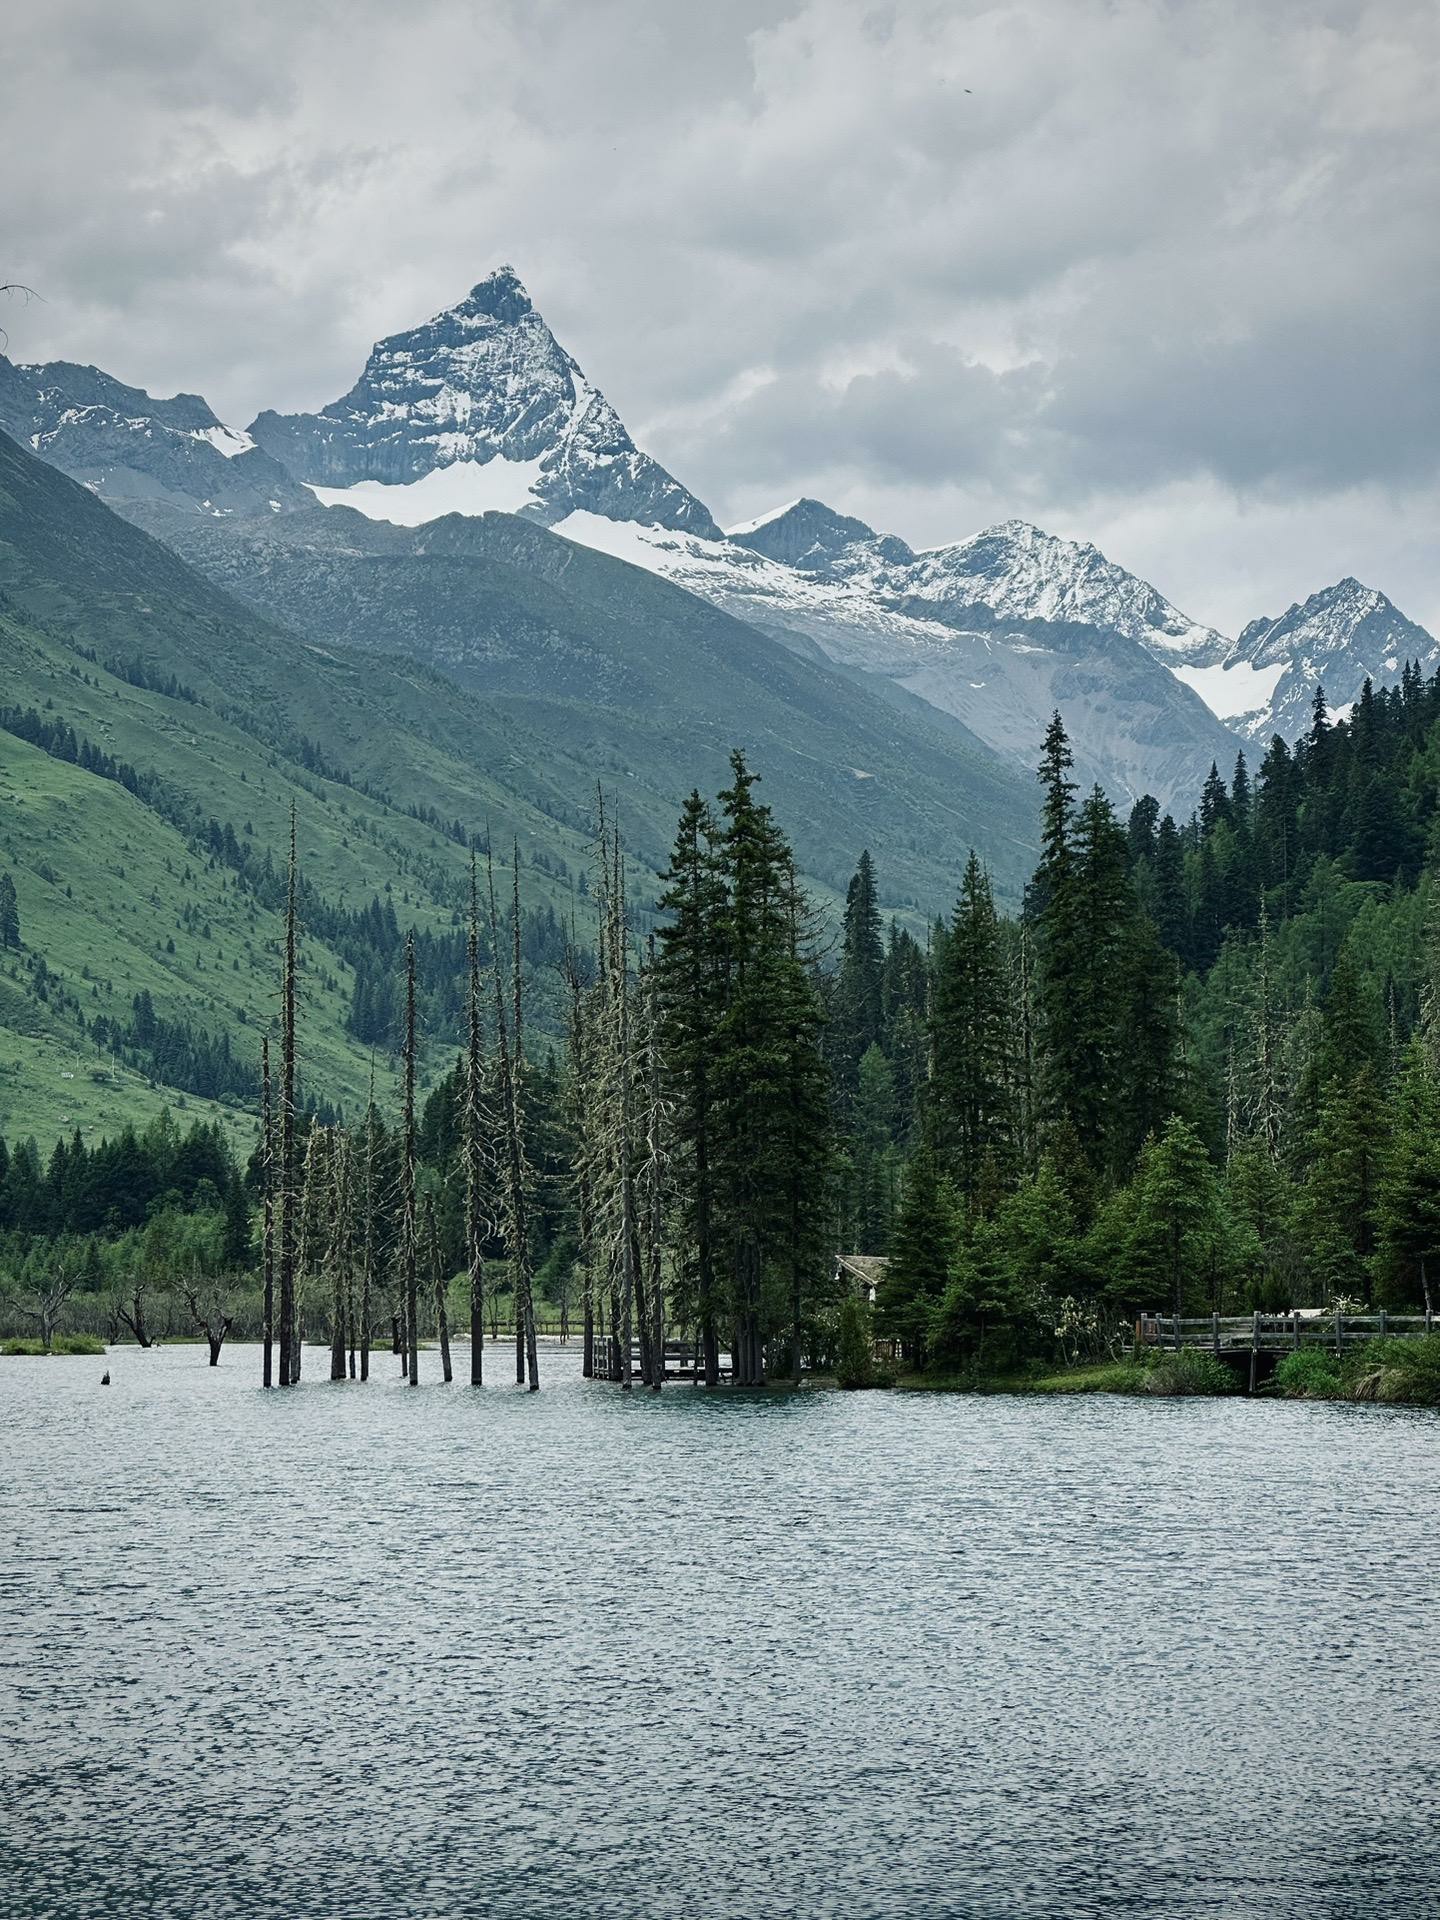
[(267, 1227), (135, 1318), (472, 1140), (437, 1282), (407, 1178), (289, 1339), (511, 1063), (367, 1271), (339, 1254), (213, 1325)]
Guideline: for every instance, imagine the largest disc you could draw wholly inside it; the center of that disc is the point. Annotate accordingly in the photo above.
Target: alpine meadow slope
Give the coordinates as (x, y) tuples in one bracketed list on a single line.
[(158, 730)]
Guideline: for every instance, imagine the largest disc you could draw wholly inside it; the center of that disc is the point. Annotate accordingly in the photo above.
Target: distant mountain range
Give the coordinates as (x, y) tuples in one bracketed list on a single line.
[(481, 412)]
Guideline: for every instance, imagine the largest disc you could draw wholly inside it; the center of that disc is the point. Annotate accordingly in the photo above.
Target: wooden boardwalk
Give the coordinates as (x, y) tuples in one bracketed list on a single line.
[(1278, 1332), (682, 1361), (1257, 1335)]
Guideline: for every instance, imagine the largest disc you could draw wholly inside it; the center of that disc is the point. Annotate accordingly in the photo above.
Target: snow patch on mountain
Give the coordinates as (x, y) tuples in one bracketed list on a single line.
[(227, 441), (466, 486), (1134, 727), (761, 520), (1234, 688)]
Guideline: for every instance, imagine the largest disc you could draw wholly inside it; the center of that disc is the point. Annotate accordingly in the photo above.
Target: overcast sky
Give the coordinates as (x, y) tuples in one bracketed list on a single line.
[(1164, 276)]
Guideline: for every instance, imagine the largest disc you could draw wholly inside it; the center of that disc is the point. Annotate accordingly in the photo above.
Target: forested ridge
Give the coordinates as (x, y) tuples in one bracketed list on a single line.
[(1198, 1071)]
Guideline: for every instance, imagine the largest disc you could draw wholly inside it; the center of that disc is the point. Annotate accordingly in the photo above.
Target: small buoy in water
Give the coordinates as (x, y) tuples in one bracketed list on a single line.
[(105, 1379)]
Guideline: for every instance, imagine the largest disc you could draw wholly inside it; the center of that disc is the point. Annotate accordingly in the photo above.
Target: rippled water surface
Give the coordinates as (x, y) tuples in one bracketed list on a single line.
[(362, 1651)]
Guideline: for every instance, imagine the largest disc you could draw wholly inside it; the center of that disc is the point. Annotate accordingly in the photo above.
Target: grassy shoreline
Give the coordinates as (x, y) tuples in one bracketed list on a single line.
[(1390, 1372)]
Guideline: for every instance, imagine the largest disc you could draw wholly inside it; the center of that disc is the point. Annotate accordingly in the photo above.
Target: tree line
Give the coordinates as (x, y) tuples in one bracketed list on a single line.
[(1197, 1069)]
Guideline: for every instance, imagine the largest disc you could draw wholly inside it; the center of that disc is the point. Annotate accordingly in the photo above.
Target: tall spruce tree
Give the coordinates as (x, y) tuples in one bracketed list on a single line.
[(971, 1089), (857, 1012), (765, 1065)]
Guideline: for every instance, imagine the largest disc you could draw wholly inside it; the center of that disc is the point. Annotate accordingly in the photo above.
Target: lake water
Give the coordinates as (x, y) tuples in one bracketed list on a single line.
[(365, 1651)]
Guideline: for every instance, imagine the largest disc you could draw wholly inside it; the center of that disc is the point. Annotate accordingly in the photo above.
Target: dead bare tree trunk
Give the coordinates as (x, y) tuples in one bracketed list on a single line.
[(511, 1066), (407, 1177), (339, 1253), (289, 1341), (49, 1303), (580, 1096), (437, 1282), (656, 1152), (214, 1324), (367, 1271), (267, 1206), (472, 1140), (314, 1244), (135, 1318)]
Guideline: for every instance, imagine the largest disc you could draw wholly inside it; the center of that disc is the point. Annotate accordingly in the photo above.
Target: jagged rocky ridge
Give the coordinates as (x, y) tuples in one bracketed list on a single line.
[(485, 398), (481, 409), (997, 631), (126, 445), (1339, 638)]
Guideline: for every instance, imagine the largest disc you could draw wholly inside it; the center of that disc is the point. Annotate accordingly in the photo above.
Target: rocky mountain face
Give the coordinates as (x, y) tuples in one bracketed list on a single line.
[(1264, 682), (480, 409), (997, 631), (1339, 638), (126, 445)]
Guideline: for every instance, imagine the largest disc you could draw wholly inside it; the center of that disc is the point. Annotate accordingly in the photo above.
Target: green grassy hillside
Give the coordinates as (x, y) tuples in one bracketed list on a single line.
[(156, 734), (627, 677)]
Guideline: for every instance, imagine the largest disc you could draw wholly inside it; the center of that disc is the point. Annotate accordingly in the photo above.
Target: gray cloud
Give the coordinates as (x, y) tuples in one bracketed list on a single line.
[(1166, 275)]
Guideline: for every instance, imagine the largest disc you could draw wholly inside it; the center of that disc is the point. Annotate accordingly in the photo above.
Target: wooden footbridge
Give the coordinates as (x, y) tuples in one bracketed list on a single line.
[(1233, 1337), (684, 1360)]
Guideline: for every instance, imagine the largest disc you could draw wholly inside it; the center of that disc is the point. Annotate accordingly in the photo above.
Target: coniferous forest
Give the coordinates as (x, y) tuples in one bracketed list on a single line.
[(1195, 1071)]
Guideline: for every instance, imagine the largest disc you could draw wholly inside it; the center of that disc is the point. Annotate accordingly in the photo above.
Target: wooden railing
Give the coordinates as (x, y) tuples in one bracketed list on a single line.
[(1278, 1332)]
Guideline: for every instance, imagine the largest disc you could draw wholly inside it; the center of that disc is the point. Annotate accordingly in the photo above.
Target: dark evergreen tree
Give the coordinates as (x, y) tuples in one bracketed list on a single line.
[(921, 1259), (972, 1107), (858, 999), (9, 913)]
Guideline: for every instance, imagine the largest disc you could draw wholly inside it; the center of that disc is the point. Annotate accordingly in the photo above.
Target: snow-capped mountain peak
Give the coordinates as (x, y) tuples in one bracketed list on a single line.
[(480, 408), (1340, 637), (1021, 572)]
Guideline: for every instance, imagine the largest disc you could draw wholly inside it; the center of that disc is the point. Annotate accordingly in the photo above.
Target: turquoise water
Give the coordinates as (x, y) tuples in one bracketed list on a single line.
[(364, 1651)]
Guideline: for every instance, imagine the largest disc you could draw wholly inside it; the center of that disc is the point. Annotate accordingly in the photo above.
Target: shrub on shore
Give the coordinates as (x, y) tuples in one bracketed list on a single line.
[(1311, 1373), (855, 1366), (1190, 1370), (63, 1343), (1398, 1372)]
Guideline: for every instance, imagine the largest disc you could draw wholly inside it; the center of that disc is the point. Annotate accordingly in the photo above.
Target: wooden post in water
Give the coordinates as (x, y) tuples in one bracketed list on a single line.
[(1254, 1346)]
